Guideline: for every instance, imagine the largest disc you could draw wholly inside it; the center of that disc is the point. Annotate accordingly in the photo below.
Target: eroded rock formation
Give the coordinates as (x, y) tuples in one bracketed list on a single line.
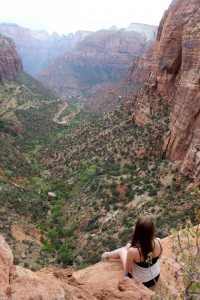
[(37, 48), (101, 281), (10, 62), (171, 68), (103, 56)]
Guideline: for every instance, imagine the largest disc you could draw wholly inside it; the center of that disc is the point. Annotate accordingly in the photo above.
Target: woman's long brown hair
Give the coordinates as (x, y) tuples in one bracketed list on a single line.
[(144, 235)]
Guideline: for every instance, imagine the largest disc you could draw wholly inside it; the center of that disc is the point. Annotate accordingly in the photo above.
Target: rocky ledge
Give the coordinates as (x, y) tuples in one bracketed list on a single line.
[(104, 280)]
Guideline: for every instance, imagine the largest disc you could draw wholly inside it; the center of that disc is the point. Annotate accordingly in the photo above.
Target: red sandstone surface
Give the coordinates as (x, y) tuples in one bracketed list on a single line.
[(100, 281), (10, 62)]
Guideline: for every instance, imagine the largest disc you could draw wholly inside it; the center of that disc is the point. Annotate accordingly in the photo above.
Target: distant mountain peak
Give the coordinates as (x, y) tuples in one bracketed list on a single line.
[(9, 24), (113, 28), (143, 28)]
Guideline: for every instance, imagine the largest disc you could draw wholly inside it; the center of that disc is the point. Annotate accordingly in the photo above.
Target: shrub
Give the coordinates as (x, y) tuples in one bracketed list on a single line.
[(8, 173), (152, 192), (65, 255), (186, 249), (188, 258)]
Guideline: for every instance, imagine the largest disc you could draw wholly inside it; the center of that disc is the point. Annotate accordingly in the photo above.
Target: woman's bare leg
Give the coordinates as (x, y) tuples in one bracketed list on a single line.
[(118, 253)]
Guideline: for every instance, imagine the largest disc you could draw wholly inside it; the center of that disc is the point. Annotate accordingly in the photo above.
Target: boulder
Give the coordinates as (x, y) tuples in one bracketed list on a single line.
[(52, 196)]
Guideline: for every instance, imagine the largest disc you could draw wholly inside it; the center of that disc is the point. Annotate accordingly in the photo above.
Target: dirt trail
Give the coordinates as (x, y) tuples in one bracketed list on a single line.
[(55, 119), (66, 118)]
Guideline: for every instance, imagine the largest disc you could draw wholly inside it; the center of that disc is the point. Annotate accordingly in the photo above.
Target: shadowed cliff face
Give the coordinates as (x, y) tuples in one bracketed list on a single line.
[(10, 62), (172, 68)]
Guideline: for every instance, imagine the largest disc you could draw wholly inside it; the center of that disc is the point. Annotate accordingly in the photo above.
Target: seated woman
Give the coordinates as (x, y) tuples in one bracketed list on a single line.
[(140, 257)]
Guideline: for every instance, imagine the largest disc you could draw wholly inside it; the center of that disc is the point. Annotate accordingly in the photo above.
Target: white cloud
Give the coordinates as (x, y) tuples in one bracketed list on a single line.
[(68, 16)]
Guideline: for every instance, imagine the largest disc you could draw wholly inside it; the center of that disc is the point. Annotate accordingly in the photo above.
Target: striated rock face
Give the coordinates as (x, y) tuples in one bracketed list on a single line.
[(172, 69), (38, 49), (101, 57), (140, 68), (10, 62), (101, 281), (6, 263)]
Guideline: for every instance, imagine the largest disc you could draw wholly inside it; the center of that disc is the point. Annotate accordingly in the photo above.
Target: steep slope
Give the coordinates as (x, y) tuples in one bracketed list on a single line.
[(26, 122), (171, 69), (107, 96), (38, 49), (26, 108), (10, 62), (101, 57), (104, 170), (107, 172)]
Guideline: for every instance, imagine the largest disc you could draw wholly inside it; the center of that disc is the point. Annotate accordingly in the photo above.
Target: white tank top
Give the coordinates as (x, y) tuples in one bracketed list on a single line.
[(146, 274)]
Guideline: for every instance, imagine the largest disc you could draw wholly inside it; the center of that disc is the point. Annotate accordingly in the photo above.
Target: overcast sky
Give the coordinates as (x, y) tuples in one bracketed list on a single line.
[(64, 16)]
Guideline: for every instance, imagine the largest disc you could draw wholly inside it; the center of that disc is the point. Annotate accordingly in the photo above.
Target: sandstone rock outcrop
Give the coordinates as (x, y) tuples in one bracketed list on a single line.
[(101, 57), (100, 281), (172, 69), (6, 263), (10, 62)]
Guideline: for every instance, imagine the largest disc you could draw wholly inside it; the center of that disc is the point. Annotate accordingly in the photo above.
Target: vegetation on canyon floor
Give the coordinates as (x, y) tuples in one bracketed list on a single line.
[(104, 170)]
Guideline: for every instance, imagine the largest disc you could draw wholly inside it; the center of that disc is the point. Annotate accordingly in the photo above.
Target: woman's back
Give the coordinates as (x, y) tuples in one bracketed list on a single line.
[(134, 255), (147, 271), (138, 257)]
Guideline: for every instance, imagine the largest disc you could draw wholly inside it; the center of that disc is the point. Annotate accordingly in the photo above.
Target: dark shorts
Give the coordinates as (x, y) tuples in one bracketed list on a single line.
[(151, 282)]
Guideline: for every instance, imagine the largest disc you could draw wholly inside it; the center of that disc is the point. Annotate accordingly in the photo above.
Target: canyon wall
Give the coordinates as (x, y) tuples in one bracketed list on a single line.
[(103, 56), (10, 62), (37, 48), (171, 68)]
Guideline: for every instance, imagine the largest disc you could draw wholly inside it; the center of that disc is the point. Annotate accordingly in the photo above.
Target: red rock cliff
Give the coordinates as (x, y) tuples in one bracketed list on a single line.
[(172, 69), (10, 62)]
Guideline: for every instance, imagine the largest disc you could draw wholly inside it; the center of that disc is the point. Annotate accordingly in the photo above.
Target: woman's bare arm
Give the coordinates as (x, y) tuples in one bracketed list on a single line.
[(129, 260)]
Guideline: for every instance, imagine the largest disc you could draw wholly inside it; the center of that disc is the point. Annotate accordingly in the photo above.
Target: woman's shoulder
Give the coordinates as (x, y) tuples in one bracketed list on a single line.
[(132, 249), (158, 240), (158, 246), (134, 253)]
